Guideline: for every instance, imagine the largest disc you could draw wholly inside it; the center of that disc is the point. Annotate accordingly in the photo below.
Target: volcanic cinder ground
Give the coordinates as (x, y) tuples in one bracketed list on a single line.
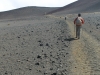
[(46, 45), (34, 47)]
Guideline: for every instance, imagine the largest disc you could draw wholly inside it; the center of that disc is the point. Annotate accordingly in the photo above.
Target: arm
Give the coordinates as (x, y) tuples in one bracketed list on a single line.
[(75, 20), (82, 21)]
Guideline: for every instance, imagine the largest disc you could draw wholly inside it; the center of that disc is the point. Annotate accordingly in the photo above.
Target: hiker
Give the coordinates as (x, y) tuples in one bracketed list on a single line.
[(78, 22)]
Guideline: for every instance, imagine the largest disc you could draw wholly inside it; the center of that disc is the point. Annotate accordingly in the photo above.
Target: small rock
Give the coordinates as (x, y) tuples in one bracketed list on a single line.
[(4, 55), (18, 60), (30, 69), (97, 28), (53, 61), (45, 73), (54, 74), (38, 56), (42, 50), (6, 73), (36, 63), (45, 55), (39, 41), (51, 68), (18, 37), (51, 55), (41, 44), (47, 44), (43, 67), (67, 53)]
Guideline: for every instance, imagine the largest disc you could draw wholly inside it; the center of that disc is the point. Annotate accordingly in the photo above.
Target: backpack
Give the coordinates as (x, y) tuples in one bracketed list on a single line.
[(78, 21)]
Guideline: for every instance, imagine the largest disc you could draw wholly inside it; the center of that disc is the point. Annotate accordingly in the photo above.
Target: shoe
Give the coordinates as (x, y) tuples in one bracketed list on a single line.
[(78, 37)]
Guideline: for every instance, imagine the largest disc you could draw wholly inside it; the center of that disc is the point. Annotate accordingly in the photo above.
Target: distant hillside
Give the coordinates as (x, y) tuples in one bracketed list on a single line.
[(79, 6), (26, 11)]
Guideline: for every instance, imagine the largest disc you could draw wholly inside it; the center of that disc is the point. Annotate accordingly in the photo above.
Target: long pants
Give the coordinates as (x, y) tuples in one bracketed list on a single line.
[(78, 29)]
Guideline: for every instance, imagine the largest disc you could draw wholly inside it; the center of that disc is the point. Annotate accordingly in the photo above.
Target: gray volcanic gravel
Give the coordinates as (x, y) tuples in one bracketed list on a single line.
[(47, 45), (34, 47)]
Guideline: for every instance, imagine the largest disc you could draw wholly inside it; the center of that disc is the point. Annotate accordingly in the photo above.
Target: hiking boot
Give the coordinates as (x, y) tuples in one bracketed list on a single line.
[(78, 37)]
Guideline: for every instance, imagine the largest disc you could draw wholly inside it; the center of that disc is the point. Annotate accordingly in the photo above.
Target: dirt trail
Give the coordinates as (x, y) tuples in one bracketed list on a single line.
[(86, 52), (80, 67)]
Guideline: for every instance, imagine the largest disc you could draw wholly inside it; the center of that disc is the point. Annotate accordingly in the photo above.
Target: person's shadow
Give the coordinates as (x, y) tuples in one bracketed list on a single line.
[(70, 39)]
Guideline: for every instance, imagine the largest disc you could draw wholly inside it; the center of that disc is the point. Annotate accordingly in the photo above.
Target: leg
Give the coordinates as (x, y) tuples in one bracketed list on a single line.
[(78, 32)]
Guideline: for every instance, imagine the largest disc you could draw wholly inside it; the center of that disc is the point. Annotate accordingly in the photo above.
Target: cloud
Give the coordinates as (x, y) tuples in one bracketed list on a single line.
[(6, 5)]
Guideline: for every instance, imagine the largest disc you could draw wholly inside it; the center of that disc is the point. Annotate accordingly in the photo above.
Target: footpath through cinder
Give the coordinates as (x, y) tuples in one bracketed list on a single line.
[(86, 52)]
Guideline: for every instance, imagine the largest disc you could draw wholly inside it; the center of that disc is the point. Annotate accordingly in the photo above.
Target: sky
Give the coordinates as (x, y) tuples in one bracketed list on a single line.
[(6, 5)]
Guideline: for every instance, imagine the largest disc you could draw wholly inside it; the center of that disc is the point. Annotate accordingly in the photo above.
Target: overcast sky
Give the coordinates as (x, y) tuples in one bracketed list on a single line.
[(13, 4)]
